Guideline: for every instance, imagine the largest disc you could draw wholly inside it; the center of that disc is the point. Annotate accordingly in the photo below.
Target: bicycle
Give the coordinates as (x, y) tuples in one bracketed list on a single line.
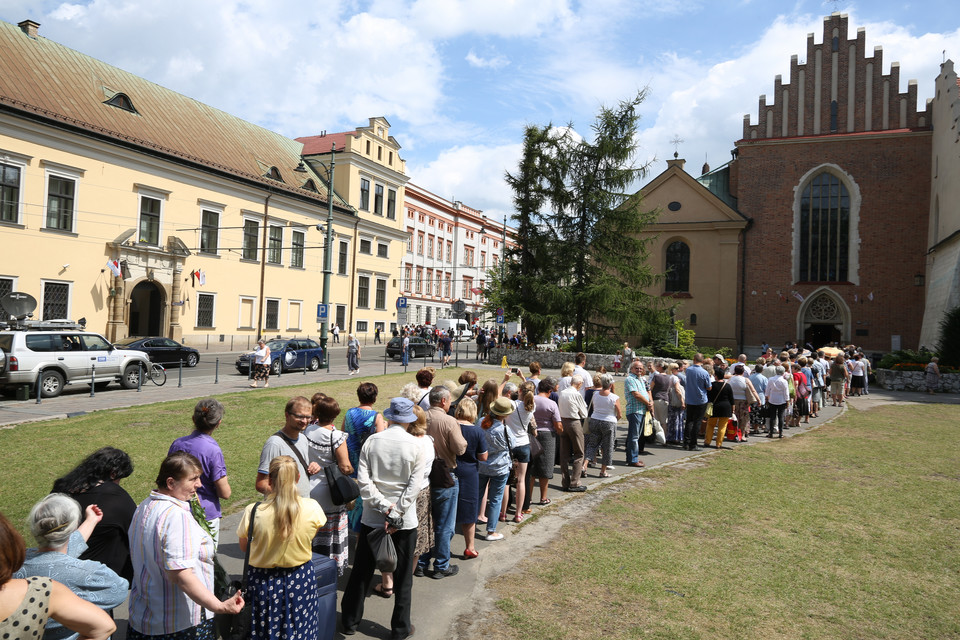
[(157, 374)]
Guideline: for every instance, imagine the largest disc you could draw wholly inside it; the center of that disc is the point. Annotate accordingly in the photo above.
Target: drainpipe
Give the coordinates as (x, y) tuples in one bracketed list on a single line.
[(263, 266), (353, 281)]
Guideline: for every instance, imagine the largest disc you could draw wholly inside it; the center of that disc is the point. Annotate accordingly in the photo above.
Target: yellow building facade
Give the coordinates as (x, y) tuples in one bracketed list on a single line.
[(210, 221)]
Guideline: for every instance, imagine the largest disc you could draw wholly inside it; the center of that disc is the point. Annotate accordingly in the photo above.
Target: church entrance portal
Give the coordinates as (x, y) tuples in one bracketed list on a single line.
[(146, 310)]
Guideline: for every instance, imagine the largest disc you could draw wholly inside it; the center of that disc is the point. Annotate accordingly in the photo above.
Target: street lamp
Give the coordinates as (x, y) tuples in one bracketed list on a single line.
[(327, 259)]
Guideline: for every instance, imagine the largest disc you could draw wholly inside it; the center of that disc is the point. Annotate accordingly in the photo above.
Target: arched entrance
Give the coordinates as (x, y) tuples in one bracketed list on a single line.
[(823, 319), (146, 310)]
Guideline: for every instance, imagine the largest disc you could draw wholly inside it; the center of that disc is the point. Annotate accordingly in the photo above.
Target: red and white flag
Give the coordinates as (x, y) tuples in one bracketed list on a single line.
[(796, 294), (114, 267)]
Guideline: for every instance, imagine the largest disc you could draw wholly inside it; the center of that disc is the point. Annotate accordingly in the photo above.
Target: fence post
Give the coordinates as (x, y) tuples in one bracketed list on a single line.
[(180, 375), (139, 377), (39, 375), (216, 371), (93, 377)]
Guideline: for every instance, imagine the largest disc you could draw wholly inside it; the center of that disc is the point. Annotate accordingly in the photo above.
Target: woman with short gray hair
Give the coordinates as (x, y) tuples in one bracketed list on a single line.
[(55, 523), (603, 424), (207, 415)]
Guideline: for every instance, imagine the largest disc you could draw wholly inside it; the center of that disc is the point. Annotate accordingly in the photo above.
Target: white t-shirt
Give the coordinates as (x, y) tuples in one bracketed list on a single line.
[(604, 406), (517, 423)]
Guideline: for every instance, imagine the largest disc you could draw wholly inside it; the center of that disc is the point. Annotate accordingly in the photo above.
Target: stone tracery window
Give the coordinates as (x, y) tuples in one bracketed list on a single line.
[(824, 225), (678, 268)]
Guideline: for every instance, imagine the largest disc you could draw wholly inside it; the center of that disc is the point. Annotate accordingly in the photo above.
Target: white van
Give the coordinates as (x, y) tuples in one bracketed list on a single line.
[(460, 327)]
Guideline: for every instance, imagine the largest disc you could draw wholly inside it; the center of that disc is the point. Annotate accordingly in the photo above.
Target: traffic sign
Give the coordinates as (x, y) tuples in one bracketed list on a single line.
[(459, 306), (499, 319), (499, 311), (401, 303), (323, 312), (402, 316)]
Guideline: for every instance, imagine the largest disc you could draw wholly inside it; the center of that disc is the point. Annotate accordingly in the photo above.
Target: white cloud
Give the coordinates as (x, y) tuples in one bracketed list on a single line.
[(495, 62)]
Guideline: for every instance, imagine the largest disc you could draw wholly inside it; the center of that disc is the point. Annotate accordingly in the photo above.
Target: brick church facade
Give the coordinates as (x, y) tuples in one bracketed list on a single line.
[(835, 179)]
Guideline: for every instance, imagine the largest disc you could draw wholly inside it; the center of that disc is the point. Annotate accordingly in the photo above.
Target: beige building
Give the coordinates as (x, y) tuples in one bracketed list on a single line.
[(211, 221), (371, 176), (696, 244)]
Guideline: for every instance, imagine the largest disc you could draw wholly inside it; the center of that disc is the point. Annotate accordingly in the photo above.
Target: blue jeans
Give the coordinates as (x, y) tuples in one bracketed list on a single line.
[(443, 505), (406, 357), (494, 498), (634, 433)]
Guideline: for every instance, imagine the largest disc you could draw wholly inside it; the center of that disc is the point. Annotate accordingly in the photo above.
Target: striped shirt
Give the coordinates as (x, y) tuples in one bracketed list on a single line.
[(164, 536)]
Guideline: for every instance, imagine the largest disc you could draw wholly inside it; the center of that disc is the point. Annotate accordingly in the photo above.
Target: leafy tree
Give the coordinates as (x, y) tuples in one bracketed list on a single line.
[(580, 259), (949, 346)]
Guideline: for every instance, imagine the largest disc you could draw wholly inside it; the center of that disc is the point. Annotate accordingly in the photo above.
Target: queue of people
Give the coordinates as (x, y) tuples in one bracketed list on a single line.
[(448, 457)]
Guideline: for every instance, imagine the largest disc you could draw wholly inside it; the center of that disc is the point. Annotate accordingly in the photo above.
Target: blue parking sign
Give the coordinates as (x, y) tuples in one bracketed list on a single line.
[(323, 312)]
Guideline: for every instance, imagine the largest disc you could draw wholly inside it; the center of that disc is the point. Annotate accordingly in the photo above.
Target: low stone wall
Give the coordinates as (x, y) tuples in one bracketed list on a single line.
[(915, 381), (553, 360)]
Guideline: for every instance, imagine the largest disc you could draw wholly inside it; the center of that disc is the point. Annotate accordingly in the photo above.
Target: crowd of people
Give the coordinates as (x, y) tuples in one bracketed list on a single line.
[(446, 457)]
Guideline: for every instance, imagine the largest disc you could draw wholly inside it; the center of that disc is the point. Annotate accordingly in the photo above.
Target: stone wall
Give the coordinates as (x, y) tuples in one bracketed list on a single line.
[(915, 381), (551, 361)]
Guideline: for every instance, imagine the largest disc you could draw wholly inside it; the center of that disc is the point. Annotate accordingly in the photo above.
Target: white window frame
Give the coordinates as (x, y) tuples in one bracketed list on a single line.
[(21, 162), (369, 278), (279, 260), (213, 311), (293, 245), (218, 209), (369, 242), (56, 170), (260, 229), (253, 315), (385, 293), (43, 294), (366, 326), (266, 309), (153, 194), (291, 326), (386, 252)]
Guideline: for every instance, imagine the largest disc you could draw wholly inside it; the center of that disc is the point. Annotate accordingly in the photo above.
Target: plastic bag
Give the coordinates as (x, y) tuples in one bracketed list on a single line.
[(383, 550)]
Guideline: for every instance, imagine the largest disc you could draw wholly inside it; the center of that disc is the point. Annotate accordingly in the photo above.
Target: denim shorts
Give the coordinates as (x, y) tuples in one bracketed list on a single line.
[(521, 453)]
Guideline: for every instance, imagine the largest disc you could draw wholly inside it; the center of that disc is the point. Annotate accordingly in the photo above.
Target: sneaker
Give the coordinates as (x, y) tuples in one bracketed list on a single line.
[(450, 571), (493, 537), (418, 572)]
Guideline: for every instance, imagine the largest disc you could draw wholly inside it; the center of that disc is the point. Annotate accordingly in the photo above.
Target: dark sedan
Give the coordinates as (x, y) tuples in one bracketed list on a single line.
[(418, 348), (162, 350), (295, 353)]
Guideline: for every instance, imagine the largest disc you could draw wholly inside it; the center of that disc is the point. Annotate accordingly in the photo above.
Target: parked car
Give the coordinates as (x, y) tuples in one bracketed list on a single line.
[(60, 354), (418, 347), (162, 350), (295, 353)]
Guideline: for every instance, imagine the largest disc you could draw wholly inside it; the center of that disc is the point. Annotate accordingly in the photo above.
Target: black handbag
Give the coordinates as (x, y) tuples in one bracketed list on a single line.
[(343, 489), (235, 626), (440, 477)]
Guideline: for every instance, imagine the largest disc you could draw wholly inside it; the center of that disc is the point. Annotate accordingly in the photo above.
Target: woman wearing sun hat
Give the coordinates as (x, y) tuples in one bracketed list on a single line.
[(495, 470)]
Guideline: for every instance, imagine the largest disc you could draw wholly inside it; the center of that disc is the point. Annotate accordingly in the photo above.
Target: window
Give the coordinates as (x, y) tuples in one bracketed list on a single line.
[(246, 317), (60, 202), (409, 240), (56, 300), (368, 147), (9, 193), (390, 158), (678, 267), (437, 289), (446, 292), (824, 230), (275, 244), (428, 282), (361, 326), (206, 303), (379, 152), (468, 256), (363, 292), (122, 101), (209, 231), (149, 220), (6, 286), (496, 260), (693, 319), (392, 203), (382, 250), (294, 315), (406, 280), (419, 283), (251, 233), (467, 285), (271, 322), (483, 259), (420, 243), (430, 247), (274, 174), (342, 259), (365, 247), (439, 250), (380, 302), (365, 193), (296, 252), (449, 251), (378, 200)]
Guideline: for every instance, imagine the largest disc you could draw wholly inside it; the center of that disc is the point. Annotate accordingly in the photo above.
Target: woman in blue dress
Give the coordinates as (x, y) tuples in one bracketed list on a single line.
[(359, 423), (468, 475)]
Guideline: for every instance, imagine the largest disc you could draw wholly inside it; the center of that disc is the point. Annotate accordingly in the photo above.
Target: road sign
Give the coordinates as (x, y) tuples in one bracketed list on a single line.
[(401, 303), (323, 312), (499, 319), (499, 311), (402, 316), (459, 306)]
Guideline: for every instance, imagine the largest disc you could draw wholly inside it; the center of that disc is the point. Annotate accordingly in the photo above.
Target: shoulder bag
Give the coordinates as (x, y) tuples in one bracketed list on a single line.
[(237, 626), (289, 442), (536, 449), (343, 489)]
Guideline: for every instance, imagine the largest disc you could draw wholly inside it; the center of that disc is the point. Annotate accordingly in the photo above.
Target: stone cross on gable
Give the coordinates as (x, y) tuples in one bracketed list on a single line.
[(676, 145)]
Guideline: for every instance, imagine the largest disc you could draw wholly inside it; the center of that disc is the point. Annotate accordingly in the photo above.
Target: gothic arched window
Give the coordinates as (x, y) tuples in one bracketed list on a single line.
[(824, 230), (678, 267)]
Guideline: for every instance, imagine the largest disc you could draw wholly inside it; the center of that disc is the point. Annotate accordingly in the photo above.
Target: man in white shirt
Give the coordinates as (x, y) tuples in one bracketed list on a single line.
[(778, 395), (578, 362), (573, 411), (390, 464)]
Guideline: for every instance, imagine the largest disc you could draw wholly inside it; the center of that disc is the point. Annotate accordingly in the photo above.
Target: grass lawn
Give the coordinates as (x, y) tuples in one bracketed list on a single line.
[(33, 455), (851, 531)]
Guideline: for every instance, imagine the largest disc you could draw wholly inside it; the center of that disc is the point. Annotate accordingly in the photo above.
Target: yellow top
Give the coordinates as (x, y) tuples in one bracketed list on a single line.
[(268, 549)]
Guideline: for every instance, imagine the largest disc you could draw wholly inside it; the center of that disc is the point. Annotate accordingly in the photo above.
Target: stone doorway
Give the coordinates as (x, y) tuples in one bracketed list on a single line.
[(146, 310)]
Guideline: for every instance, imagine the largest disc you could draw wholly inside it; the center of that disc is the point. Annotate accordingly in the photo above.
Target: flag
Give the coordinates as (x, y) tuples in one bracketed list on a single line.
[(202, 277), (870, 296), (114, 267), (796, 294), (854, 297), (476, 291)]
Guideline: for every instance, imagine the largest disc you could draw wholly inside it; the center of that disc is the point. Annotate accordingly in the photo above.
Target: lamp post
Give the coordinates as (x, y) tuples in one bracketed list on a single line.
[(328, 260)]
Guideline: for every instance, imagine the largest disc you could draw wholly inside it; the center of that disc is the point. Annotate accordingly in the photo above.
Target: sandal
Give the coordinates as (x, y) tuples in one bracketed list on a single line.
[(544, 502), (518, 518), (604, 475), (378, 590)]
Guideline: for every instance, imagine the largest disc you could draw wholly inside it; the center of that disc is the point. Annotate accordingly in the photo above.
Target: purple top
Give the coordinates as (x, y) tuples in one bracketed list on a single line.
[(545, 413), (208, 452)]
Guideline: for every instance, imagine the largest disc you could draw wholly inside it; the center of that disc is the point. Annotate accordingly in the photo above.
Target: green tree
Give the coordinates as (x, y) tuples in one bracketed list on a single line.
[(580, 259), (949, 346)]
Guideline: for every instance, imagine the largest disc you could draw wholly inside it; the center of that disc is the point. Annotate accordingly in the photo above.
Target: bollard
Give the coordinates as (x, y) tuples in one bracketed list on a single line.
[(216, 372), (250, 369), (180, 375), (140, 377), (384, 363), (39, 375), (93, 377)]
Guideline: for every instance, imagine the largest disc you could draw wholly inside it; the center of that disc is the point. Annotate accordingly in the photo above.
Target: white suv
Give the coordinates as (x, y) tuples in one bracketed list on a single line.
[(65, 356)]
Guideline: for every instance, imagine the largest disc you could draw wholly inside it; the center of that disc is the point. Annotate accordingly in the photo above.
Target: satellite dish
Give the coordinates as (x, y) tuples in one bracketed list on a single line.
[(18, 304)]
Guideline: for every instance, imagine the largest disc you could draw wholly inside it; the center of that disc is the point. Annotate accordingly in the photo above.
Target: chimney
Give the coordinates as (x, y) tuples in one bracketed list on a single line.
[(29, 27), (705, 170)]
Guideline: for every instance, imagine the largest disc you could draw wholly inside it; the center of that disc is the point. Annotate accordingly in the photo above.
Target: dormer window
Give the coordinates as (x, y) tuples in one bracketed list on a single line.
[(310, 185), (273, 174), (122, 101)]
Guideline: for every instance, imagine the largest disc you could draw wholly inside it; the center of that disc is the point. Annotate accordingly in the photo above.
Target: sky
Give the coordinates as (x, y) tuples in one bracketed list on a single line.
[(458, 80)]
